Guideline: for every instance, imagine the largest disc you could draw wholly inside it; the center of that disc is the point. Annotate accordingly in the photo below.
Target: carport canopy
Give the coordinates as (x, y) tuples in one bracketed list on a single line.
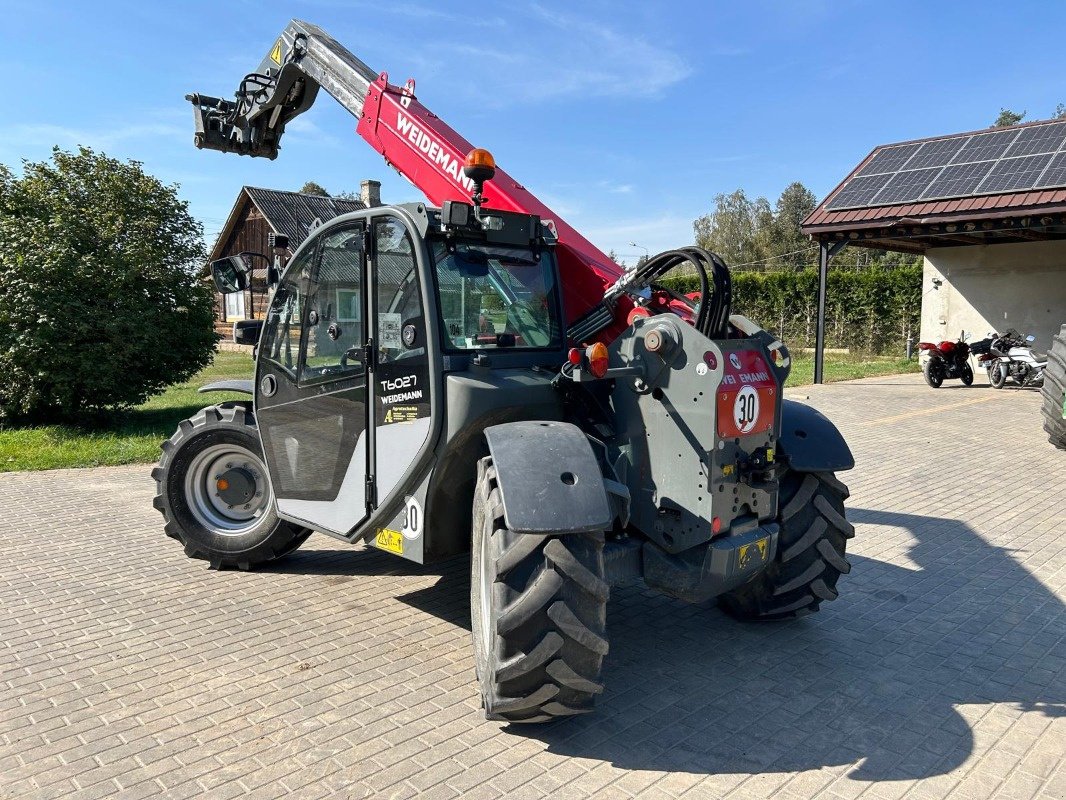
[(986, 187)]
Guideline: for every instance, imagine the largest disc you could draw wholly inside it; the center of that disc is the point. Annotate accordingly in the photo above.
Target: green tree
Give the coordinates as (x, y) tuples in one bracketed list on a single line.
[(788, 246), (611, 254), (731, 230), (100, 305), (1060, 111), (1007, 118), (313, 188)]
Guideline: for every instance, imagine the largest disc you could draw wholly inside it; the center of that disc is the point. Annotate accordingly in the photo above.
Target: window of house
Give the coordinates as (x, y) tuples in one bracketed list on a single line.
[(235, 306)]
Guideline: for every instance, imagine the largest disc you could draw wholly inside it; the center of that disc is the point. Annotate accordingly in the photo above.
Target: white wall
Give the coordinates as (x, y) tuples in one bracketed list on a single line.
[(995, 287)]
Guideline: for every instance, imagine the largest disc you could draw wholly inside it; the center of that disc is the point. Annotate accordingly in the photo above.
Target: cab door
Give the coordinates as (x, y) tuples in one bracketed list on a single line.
[(312, 393)]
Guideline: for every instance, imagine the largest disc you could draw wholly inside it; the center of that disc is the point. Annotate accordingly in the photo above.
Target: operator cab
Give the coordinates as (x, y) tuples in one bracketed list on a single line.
[(371, 313)]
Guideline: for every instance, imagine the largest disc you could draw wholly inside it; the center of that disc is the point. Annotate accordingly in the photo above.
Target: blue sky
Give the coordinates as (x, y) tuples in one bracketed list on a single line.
[(626, 117)]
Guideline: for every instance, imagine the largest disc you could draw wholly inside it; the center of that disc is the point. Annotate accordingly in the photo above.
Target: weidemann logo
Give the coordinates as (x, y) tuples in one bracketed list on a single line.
[(433, 150)]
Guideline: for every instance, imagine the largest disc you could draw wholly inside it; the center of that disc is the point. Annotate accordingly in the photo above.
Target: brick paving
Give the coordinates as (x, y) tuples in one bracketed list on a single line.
[(128, 671)]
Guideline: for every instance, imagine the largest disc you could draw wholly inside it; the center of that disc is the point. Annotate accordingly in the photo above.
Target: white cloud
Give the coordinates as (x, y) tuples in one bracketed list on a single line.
[(28, 137)]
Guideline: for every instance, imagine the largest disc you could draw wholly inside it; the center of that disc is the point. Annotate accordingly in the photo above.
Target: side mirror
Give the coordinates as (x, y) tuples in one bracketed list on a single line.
[(231, 274), (1030, 338), (247, 331)]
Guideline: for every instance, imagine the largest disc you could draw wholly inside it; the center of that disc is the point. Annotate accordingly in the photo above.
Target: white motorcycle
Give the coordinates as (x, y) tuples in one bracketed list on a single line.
[(1010, 356)]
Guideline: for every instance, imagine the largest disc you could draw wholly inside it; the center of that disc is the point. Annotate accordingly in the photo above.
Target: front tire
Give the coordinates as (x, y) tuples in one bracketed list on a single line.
[(933, 373), (538, 607), (997, 377), (810, 552), (235, 525), (1054, 391), (967, 375)]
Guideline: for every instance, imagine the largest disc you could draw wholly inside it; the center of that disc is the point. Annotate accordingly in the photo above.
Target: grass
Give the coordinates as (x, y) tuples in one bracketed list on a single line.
[(134, 436), (129, 437), (847, 367)]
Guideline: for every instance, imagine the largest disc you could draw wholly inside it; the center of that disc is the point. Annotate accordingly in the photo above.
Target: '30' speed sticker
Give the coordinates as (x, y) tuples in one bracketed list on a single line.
[(746, 409)]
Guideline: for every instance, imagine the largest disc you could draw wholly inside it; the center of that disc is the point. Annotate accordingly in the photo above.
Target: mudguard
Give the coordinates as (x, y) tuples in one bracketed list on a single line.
[(810, 442), (549, 478), (244, 387)]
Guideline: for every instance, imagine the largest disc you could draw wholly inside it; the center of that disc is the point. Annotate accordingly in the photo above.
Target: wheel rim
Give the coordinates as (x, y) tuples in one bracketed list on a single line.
[(485, 580), (206, 500)]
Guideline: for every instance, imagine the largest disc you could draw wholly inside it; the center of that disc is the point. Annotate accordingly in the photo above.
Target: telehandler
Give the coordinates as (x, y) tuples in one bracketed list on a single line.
[(473, 374)]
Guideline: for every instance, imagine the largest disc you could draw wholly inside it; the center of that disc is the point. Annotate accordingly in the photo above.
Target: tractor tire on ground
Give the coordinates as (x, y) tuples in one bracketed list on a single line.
[(538, 607), (234, 526), (933, 373), (810, 552), (1054, 391)]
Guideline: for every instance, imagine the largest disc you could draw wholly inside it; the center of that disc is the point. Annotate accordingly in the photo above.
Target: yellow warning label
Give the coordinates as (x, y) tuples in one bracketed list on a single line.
[(769, 456), (754, 554), (275, 54), (389, 540), (401, 414)]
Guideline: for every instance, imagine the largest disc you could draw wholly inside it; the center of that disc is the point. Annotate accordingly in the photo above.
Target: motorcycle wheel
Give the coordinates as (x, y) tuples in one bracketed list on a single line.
[(996, 377), (933, 373), (967, 375)]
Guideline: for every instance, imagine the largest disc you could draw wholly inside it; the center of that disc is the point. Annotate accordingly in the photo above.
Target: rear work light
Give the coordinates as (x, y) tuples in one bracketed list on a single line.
[(597, 358)]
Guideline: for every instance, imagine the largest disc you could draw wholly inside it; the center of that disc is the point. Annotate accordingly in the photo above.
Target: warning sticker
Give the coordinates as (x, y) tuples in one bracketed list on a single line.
[(401, 414), (389, 540), (389, 330), (275, 54), (746, 395), (754, 554)]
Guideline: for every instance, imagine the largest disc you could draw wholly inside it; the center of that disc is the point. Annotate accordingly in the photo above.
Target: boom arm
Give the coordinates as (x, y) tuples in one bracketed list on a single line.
[(413, 140)]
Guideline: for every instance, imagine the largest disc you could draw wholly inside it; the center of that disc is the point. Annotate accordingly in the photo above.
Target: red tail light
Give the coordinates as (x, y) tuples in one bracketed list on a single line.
[(574, 356)]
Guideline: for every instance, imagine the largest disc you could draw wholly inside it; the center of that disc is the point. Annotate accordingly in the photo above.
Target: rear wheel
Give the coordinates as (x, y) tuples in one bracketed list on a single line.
[(213, 491), (810, 552), (1054, 391), (934, 373), (538, 607)]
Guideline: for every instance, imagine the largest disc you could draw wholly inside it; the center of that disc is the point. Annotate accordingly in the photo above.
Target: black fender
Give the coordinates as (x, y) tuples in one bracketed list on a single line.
[(810, 442), (243, 387), (549, 478)]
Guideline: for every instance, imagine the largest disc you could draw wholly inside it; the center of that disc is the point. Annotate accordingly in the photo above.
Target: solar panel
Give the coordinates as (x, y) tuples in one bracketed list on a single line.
[(1055, 174), (906, 186), (861, 190), (958, 180), (985, 147), (1009, 174), (936, 153), (890, 159), (1017, 159), (1042, 139)]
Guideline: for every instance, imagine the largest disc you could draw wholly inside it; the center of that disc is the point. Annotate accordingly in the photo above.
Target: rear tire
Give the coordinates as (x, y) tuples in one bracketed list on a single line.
[(933, 373), (538, 607), (810, 552), (215, 439), (1054, 391)]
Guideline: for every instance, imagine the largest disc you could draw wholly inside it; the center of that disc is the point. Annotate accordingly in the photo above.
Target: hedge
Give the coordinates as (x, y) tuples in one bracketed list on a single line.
[(872, 311)]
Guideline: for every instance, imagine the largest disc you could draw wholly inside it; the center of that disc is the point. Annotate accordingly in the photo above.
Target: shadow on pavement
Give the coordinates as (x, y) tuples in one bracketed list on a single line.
[(876, 677)]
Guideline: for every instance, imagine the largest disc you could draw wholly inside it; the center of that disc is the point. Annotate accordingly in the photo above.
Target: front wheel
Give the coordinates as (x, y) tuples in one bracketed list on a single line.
[(538, 608), (997, 377), (967, 375), (934, 373), (213, 491), (810, 552)]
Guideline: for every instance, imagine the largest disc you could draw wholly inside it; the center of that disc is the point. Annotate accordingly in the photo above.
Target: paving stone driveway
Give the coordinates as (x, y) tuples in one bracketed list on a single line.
[(127, 670)]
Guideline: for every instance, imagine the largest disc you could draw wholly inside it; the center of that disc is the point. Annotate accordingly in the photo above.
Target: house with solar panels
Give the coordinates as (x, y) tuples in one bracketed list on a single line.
[(986, 209), (256, 214)]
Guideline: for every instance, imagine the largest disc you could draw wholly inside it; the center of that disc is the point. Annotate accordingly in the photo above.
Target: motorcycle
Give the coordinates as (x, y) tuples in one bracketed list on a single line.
[(946, 360), (1009, 356)]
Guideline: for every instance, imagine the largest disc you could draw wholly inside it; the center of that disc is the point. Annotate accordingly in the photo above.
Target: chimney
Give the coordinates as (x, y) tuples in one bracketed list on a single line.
[(370, 193)]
